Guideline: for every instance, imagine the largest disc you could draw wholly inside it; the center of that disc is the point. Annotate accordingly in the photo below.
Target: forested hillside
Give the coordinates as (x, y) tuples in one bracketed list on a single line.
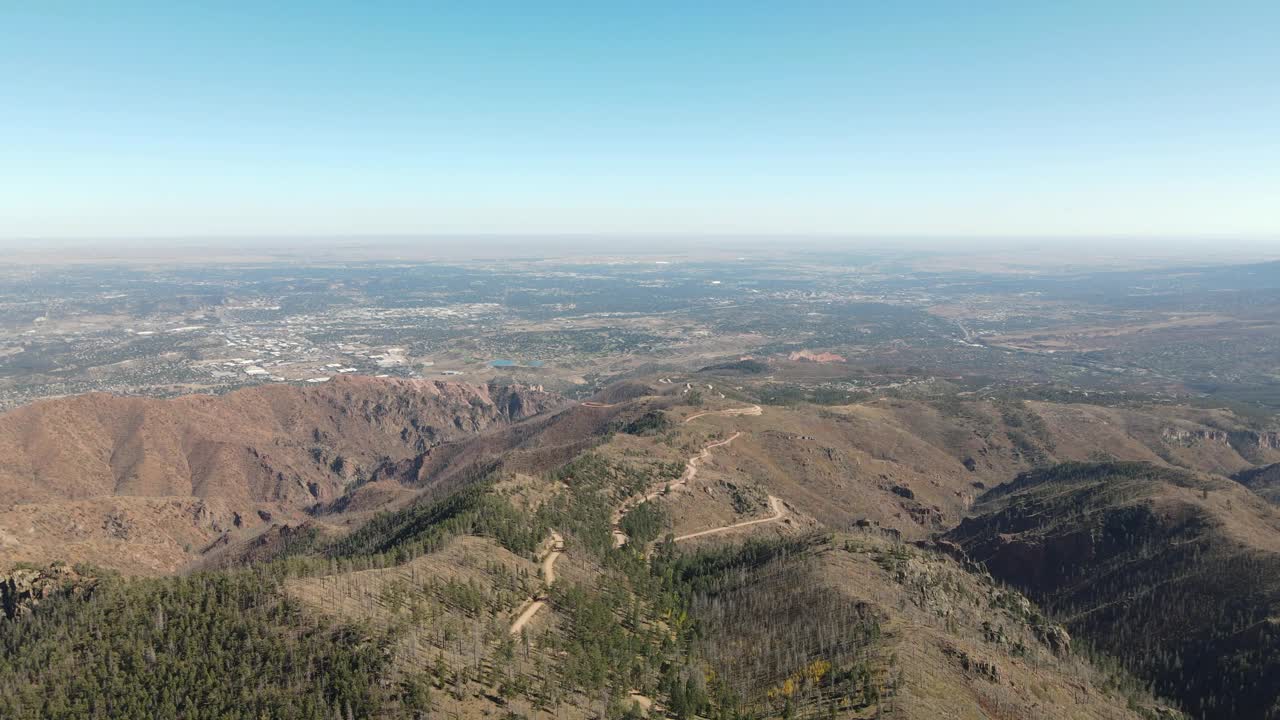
[(224, 645), (1175, 574)]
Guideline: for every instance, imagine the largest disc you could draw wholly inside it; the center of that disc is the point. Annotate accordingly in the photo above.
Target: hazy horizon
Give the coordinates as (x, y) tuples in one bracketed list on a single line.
[(1031, 252)]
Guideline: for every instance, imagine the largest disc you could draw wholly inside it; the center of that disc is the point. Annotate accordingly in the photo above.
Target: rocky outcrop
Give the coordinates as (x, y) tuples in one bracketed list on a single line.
[(23, 588), (1191, 437), (1055, 636), (1268, 440)]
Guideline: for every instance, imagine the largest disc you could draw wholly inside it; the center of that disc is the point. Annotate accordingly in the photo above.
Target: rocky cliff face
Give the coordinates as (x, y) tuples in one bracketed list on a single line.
[(1190, 438)]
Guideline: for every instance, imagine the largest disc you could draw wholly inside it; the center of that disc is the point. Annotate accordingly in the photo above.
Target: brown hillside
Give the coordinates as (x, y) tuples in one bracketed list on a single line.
[(917, 467), (79, 471)]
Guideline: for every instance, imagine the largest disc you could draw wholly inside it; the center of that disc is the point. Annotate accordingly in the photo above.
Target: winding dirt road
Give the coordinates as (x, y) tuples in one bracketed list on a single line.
[(620, 538), (690, 472), (775, 504), (731, 412), (537, 602)]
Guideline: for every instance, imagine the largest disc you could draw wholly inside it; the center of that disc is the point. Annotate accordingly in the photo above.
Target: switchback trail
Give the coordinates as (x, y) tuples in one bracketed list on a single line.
[(690, 472), (537, 602), (775, 504)]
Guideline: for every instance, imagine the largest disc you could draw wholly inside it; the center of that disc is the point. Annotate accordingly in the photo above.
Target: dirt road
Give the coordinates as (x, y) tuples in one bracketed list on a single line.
[(775, 504), (537, 602), (690, 472), (752, 410)]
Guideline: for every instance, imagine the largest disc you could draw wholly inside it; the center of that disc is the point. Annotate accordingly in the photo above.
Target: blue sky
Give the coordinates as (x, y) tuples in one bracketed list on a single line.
[(948, 119)]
